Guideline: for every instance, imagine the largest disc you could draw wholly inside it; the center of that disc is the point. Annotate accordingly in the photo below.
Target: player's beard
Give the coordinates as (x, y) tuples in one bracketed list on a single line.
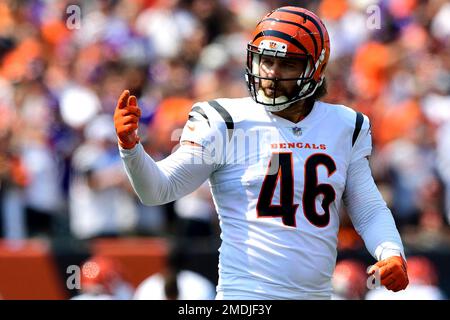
[(275, 91)]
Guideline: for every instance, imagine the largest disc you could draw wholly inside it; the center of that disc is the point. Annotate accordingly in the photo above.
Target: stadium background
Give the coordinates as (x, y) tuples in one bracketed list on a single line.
[(63, 193)]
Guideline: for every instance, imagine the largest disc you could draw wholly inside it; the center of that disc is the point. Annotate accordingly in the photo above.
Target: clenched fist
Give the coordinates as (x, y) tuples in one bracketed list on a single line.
[(126, 119), (393, 274)]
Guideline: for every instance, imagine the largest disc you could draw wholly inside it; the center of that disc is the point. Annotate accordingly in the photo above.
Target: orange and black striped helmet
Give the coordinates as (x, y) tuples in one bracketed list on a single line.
[(289, 33)]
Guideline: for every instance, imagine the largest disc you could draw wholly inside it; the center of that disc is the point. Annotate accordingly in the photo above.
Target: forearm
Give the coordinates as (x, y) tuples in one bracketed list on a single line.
[(369, 213), (161, 182)]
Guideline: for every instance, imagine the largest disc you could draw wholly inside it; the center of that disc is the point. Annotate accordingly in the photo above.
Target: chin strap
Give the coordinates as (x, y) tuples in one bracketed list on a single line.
[(279, 100), (268, 102), (318, 84)]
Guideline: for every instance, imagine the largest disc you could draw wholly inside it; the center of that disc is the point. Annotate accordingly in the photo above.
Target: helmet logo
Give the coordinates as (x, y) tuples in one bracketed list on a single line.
[(272, 47)]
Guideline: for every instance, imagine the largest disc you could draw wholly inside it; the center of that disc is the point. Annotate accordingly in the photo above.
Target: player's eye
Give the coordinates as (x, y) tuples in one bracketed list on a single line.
[(267, 62), (290, 65), (294, 64)]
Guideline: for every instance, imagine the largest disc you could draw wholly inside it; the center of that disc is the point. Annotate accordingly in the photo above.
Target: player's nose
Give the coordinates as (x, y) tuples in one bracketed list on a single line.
[(274, 70)]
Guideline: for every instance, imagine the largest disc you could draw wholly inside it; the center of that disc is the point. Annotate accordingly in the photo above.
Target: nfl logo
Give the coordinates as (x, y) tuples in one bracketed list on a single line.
[(297, 131)]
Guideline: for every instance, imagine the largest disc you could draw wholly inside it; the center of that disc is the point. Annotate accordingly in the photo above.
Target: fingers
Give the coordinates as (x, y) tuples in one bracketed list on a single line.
[(123, 99), (401, 285), (381, 263), (378, 266), (393, 274), (126, 118), (388, 281), (129, 128), (395, 283), (385, 272), (132, 101), (127, 101), (130, 110), (129, 119)]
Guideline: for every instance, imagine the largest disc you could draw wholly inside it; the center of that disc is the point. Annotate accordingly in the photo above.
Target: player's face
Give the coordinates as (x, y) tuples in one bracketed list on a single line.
[(272, 67)]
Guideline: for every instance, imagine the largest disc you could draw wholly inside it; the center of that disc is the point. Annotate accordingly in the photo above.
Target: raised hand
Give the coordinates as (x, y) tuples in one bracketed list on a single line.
[(126, 120)]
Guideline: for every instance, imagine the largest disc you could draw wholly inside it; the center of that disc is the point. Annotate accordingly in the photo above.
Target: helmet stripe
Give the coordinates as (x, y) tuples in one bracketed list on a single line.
[(281, 35), (305, 16), (310, 33)]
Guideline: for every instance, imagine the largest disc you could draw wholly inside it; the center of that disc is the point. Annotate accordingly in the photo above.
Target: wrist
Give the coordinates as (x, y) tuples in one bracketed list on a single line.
[(389, 249), (127, 145)]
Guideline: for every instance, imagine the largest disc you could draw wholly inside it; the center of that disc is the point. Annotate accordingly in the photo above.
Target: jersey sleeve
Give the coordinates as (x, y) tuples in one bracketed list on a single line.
[(157, 183), (362, 138), (199, 128), (369, 213), (208, 127)]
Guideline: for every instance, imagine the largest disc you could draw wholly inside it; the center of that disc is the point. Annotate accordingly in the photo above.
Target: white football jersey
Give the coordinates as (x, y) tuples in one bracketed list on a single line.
[(277, 187)]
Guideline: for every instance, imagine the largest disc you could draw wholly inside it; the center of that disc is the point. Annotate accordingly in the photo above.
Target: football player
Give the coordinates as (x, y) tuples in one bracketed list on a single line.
[(280, 164)]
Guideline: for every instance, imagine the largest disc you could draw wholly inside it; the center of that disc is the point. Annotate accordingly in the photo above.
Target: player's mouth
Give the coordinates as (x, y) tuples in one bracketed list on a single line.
[(270, 92)]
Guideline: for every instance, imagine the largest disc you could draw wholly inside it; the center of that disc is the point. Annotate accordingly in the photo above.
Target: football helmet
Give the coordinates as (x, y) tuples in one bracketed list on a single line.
[(288, 33)]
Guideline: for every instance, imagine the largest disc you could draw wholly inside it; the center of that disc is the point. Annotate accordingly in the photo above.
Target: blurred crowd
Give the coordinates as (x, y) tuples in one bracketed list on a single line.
[(63, 64), (103, 278)]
